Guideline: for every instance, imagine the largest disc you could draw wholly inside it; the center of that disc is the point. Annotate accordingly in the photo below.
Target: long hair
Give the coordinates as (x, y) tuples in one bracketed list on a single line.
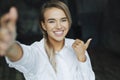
[(48, 46)]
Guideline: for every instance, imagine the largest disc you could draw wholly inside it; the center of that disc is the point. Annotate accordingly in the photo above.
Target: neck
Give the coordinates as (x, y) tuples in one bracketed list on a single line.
[(57, 45)]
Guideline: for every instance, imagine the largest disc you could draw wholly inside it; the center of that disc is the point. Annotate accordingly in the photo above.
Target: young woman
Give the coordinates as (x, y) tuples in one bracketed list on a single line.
[(54, 57)]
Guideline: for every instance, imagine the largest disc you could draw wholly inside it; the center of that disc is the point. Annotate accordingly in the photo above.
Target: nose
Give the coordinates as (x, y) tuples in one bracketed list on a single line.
[(59, 26)]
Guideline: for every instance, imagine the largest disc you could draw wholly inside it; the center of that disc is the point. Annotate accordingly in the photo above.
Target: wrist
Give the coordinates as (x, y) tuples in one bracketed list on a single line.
[(14, 53), (82, 58)]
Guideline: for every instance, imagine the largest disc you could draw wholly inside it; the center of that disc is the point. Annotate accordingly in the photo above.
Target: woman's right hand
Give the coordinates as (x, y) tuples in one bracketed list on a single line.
[(8, 30)]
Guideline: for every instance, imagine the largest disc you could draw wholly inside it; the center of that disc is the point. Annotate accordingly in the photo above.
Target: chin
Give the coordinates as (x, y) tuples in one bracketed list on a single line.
[(60, 39)]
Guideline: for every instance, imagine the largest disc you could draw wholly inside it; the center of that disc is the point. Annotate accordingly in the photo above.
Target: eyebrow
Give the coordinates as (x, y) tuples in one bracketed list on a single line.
[(64, 18), (51, 19), (54, 19)]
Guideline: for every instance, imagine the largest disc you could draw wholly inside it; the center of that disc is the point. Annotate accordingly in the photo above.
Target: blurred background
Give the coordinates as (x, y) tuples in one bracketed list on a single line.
[(96, 19)]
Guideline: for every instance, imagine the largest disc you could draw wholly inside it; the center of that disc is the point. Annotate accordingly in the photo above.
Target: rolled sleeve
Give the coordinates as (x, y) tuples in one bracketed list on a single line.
[(24, 64)]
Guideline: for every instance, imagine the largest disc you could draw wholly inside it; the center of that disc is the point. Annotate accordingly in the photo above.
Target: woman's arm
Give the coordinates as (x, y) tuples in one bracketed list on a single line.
[(14, 53), (84, 64), (80, 47), (8, 45)]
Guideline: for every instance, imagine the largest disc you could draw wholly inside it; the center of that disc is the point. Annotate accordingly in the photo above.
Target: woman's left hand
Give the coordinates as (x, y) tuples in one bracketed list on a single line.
[(80, 47)]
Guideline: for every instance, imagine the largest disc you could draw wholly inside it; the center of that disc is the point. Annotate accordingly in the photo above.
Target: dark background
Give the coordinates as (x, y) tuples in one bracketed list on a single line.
[(96, 19)]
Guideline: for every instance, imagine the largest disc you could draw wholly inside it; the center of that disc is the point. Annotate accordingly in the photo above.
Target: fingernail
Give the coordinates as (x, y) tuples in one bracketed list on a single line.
[(90, 39)]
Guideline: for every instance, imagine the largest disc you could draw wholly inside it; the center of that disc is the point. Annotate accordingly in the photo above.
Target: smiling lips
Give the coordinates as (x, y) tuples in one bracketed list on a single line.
[(59, 33)]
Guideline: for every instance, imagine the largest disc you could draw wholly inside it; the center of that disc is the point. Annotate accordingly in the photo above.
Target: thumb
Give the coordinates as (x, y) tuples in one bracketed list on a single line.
[(13, 13), (87, 43)]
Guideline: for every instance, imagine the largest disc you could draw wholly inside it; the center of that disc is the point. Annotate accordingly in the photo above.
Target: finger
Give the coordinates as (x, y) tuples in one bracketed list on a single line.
[(13, 18), (3, 48), (5, 40), (5, 35), (13, 14), (2, 33), (4, 20), (87, 43), (78, 41)]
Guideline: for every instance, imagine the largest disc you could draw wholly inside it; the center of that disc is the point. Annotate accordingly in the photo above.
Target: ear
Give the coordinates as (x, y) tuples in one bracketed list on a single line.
[(43, 25)]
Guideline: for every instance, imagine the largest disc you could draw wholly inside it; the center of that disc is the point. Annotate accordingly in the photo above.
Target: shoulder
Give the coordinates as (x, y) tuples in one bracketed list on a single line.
[(38, 43), (38, 47)]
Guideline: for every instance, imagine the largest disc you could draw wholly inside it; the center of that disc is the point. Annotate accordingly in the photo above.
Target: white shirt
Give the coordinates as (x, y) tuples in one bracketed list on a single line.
[(35, 64)]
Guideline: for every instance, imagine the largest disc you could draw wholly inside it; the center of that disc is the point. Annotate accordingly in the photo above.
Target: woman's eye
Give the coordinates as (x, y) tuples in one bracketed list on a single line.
[(51, 21), (64, 20)]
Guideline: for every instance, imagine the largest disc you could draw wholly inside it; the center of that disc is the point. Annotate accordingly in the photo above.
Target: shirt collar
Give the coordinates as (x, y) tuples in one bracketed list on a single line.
[(66, 43)]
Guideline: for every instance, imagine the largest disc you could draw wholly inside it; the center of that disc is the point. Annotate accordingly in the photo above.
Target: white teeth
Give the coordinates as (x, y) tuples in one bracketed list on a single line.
[(58, 32)]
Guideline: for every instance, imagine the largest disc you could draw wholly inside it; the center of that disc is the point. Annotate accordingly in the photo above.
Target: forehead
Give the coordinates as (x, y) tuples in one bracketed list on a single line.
[(54, 13)]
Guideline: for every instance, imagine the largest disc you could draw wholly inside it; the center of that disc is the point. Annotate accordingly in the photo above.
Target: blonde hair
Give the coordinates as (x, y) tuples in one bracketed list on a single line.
[(48, 46)]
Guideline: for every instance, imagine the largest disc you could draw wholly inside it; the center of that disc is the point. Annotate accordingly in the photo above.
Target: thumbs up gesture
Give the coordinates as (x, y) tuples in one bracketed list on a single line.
[(7, 30), (80, 47)]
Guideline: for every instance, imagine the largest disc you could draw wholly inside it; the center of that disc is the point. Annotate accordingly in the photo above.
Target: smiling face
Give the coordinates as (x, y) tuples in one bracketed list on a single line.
[(56, 24)]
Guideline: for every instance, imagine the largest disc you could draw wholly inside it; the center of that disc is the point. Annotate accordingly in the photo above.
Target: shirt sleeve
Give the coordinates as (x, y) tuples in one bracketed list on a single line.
[(86, 69), (28, 60)]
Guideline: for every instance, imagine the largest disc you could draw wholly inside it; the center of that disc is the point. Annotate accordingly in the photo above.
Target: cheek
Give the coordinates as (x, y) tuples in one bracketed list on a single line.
[(67, 26), (50, 27)]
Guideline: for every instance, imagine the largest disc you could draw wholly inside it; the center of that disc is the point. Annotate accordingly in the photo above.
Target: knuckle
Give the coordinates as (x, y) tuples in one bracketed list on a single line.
[(78, 39), (81, 42)]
